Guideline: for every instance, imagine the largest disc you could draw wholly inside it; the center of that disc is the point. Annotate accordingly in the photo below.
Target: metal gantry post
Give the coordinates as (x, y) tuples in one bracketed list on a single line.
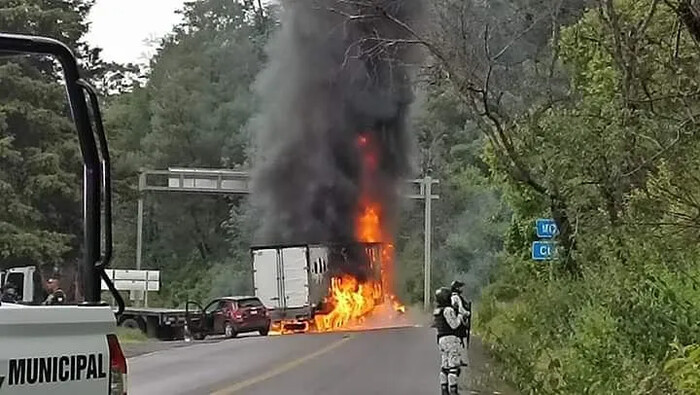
[(145, 293), (139, 221)]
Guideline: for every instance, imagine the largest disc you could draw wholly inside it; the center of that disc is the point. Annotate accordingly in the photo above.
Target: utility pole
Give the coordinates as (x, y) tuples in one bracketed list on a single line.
[(428, 183), (427, 195)]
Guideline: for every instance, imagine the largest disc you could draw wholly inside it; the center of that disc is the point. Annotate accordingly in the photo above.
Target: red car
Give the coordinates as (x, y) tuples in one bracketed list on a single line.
[(232, 315)]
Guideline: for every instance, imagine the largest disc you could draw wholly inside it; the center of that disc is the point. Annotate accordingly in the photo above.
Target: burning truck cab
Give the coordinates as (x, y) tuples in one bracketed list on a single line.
[(320, 287)]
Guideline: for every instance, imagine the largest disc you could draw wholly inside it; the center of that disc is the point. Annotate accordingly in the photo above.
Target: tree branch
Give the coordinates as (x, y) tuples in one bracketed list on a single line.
[(687, 15)]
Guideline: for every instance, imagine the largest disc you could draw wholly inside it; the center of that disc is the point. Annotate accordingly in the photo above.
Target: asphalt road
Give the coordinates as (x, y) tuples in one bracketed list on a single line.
[(392, 361)]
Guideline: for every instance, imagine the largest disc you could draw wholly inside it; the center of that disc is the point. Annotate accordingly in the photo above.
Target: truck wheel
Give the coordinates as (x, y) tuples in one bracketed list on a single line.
[(229, 331), (131, 323), (198, 336)]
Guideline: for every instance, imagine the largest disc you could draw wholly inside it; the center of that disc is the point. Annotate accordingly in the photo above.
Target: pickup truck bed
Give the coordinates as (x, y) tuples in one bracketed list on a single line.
[(161, 323), (62, 350)]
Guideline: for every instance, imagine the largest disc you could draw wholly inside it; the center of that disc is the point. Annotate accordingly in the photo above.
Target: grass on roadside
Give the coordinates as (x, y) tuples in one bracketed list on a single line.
[(483, 374), (129, 335)]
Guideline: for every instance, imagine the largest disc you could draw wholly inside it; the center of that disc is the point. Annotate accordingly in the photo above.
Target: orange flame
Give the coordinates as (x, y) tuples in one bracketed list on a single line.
[(353, 301), (368, 225), (286, 327)]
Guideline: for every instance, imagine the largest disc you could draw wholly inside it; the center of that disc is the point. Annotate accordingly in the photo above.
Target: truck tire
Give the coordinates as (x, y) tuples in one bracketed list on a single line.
[(131, 323), (198, 336), (229, 330)]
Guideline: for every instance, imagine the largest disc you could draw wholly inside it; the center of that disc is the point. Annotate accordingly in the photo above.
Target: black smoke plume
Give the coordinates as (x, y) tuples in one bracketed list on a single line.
[(338, 70)]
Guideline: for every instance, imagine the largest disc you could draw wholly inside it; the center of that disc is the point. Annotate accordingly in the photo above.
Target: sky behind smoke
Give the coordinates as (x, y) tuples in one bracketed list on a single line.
[(122, 27)]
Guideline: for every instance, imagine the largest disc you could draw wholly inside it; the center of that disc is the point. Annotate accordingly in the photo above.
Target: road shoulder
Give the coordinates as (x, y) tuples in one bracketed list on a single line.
[(150, 346), (481, 376)]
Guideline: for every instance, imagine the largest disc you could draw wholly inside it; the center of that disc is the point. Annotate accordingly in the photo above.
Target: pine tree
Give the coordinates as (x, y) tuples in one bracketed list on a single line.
[(40, 162)]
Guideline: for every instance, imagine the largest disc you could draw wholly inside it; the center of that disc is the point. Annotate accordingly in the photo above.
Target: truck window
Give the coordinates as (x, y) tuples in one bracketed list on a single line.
[(17, 279), (252, 302)]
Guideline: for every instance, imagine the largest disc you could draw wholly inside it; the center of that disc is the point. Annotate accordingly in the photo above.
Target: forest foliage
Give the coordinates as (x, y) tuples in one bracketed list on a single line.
[(583, 111)]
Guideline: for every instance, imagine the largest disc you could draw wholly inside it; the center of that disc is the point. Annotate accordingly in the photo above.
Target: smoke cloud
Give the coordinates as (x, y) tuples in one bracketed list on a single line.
[(337, 71)]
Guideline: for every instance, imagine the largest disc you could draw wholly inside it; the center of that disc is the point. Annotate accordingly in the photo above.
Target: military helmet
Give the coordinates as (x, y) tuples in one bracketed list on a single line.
[(456, 286), (442, 297)]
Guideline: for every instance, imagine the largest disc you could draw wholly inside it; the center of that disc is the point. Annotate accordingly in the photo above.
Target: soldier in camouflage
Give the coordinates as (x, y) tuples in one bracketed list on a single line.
[(464, 308), (447, 322)]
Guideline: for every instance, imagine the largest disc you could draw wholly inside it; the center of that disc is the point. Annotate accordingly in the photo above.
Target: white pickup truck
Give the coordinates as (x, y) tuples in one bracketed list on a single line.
[(60, 350), (23, 281), (69, 349)]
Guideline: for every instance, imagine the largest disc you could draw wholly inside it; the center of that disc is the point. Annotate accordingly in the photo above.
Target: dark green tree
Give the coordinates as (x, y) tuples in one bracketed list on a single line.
[(192, 112), (40, 172)]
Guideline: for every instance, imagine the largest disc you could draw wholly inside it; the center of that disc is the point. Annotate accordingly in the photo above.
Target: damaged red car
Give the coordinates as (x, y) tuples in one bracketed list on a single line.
[(230, 316)]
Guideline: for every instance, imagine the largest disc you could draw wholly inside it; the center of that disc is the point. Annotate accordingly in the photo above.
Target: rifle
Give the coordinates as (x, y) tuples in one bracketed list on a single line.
[(469, 322)]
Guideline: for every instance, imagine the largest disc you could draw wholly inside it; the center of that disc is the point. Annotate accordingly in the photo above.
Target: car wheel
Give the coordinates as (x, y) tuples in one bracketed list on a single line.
[(229, 331), (264, 332)]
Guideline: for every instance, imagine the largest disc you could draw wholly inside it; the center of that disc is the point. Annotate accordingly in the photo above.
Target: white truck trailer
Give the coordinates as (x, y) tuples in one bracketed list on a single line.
[(293, 281)]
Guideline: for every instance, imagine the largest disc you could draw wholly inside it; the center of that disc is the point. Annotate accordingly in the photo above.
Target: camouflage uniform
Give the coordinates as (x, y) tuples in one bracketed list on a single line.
[(447, 321), (464, 309)]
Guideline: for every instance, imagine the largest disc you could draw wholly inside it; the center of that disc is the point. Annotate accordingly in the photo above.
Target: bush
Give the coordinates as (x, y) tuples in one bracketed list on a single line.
[(606, 333), (683, 368)]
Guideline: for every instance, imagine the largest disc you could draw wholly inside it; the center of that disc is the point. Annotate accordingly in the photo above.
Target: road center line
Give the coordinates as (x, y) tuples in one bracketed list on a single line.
[(281, 369)]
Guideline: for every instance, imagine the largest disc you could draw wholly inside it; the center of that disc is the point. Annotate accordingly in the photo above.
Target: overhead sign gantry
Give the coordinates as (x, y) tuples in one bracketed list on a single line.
[(236, 182)]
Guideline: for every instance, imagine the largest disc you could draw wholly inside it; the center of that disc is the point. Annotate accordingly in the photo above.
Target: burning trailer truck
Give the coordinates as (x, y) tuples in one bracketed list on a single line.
[(332, 147), (318, 287)]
